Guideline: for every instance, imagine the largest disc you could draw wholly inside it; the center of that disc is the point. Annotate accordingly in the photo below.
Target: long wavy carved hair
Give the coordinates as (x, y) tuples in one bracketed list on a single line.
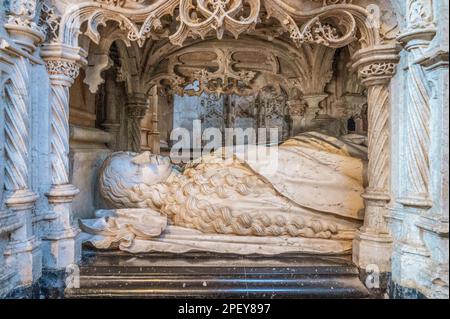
[(184, 199), (118, 176)]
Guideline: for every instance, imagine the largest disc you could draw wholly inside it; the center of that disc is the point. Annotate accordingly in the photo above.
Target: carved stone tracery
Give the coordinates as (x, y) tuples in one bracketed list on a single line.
[(383, 69), (63, 67), (22, 13), (334, 27)]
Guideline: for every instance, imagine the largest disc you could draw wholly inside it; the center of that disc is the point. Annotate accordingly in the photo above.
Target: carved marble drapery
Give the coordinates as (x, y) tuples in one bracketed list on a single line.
[(375, 68)]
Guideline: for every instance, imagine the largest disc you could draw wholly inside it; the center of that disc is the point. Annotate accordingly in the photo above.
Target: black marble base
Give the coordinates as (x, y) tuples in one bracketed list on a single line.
[(396, 291), (380, 288), (202, 275), (27, 292), (50, 285)]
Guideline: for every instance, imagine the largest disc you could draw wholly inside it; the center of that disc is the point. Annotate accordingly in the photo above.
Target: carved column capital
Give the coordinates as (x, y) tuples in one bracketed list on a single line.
[(421, 28), (63, 62), (21, 26), (58, 67), (376, 65), (137, 105), (297, 107)]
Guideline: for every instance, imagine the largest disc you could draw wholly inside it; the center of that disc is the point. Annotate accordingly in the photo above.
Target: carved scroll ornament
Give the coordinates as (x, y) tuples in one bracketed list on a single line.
[(219, 15), (377, 69), (22, 12), (63, 67), (330, 26)]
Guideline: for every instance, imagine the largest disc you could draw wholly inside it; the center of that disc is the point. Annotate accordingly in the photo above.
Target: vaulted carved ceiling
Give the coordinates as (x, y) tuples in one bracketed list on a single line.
[(174, 42)]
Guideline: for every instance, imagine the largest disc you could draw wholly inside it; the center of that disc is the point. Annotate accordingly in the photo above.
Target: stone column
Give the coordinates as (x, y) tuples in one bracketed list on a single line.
[(313, 101), (372, 246), (60, 246), (112, 122), (418, 124), (355, 106), (22, 252), (297, 110), (412, 265), (137, 106), (155, 136)]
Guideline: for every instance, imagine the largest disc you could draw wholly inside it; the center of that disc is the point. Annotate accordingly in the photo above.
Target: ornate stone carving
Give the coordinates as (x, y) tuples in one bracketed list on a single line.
[(421, 31), (377, 69), (118, 3), (22, 13), (17, 130), (219, 15), (60, 134), (67, 70), (21, 25), (297, 107), (137, 106), (333, 27), (203, 197), (62, 67), (21, 250), (59, 240), (420, 14), (96, 65), (225, 80), (418, 143), (333, 2), (317, 30), (49, 21)]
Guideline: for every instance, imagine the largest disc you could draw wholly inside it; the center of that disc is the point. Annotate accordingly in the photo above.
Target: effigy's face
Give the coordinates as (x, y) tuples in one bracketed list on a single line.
[(153, 169)]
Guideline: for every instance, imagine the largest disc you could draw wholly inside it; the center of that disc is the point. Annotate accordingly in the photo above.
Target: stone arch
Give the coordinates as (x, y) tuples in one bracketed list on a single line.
[(374, 61), (356, 22)]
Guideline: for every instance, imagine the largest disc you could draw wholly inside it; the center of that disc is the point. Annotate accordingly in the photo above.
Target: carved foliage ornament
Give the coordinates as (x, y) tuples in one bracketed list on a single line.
[(22, 13), (333, 2), (220, 15), (118, 3), (420, 14), (49, 22), (333, 27), (62, 67), (379, 69), (225, 80)]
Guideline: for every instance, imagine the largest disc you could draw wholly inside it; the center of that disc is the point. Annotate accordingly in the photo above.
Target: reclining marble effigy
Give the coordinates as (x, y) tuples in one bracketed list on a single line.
[(310, 201)]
